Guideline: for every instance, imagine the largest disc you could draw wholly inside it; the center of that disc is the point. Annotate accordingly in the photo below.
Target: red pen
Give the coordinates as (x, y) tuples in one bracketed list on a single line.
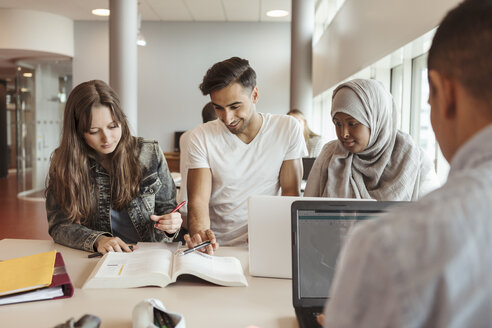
[(179, 206), (175, 209)]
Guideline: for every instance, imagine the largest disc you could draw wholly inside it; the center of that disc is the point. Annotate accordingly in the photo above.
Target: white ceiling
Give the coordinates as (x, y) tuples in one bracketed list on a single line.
[(151, 10), (164, 10)]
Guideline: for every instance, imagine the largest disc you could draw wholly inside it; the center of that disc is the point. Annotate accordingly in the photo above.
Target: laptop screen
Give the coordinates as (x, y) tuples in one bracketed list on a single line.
[(320, 229), (321, 235)]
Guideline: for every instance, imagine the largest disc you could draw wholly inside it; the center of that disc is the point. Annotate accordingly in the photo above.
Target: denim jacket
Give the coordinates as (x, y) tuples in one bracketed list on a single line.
[(157, 196)]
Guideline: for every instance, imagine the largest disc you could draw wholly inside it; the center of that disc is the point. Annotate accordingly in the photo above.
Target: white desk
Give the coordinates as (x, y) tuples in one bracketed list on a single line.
[(265, 303)]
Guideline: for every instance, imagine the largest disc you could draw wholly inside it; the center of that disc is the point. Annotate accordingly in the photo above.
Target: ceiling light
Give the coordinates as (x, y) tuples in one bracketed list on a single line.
[(100, 12), (27, 74), (140, 39), (277, 13)]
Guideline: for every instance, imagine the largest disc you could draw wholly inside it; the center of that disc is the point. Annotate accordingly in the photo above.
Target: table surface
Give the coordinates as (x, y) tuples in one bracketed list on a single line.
[(266, 302)]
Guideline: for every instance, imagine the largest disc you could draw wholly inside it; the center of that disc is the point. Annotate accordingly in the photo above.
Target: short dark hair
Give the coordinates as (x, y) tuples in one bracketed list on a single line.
[(208, 113), (229, 71), (462, 47)]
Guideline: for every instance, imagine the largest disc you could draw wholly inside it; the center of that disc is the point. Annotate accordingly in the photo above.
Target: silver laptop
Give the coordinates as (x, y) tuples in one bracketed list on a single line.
[(269, 235), (318, 232)]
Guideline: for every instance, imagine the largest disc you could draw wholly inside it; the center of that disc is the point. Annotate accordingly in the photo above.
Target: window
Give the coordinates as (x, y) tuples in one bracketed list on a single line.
[(321, 119), (396, 89), (420, 124)]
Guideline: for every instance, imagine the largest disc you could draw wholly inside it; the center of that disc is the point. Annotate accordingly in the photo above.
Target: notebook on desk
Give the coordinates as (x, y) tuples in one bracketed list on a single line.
[(269, 235), (319, 229), (22, 279)]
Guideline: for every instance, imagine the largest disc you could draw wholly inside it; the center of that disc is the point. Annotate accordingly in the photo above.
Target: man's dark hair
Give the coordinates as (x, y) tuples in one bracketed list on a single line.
[(229, 71), (208, 113), (462, 47)]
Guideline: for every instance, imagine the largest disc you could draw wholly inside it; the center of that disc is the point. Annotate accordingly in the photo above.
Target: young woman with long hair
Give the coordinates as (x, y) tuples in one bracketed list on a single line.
[(107, 189), (314, 142)]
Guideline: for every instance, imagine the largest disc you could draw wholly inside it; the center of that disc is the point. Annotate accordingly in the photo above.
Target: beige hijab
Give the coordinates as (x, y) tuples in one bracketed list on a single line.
[(389, 168)]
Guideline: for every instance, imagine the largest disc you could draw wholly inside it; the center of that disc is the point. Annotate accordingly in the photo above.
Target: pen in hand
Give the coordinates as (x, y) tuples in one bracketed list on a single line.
[(173, 211), (179, 206), (201, 245)]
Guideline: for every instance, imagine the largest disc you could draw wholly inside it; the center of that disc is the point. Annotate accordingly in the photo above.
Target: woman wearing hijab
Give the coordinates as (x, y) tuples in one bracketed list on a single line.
[(371, 159)]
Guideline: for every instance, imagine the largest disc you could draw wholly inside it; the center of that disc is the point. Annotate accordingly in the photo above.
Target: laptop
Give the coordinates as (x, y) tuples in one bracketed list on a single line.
[(319, 229), (269, 235)]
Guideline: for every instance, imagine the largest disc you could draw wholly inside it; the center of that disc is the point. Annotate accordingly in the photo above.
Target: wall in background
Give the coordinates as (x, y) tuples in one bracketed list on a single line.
[(364, 31), (91, 52), (172, 65)]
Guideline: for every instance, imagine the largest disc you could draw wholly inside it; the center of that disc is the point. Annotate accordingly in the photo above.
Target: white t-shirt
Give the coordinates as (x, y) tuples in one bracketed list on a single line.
[(183, 170), (240, 170)]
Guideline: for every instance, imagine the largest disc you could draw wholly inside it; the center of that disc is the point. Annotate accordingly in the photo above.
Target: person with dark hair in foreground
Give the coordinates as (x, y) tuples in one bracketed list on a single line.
[(107, 189), (242, 153), (428, 263)]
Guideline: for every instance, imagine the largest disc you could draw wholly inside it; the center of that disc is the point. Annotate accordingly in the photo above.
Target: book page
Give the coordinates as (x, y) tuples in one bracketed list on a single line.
[(151, 267), (225, 271), (143, 246), (34, 295)]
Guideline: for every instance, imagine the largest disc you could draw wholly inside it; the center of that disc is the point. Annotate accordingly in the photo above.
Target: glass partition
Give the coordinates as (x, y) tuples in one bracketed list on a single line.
[(41, 90), (25, 126)]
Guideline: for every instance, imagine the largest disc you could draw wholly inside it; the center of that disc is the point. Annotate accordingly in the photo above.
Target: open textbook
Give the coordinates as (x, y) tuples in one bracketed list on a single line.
[(158, 264)]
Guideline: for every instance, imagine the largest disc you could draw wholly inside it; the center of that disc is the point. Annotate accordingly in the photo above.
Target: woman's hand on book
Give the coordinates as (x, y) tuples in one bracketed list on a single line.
[(200, 236), (106, 244), (169, 223)]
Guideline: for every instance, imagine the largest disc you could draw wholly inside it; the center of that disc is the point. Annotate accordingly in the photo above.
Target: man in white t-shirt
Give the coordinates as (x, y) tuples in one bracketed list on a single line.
[(243, 153)]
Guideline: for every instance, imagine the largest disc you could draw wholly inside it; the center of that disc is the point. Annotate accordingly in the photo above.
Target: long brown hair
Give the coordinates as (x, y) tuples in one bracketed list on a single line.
[(308, 133), (70, 179)]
